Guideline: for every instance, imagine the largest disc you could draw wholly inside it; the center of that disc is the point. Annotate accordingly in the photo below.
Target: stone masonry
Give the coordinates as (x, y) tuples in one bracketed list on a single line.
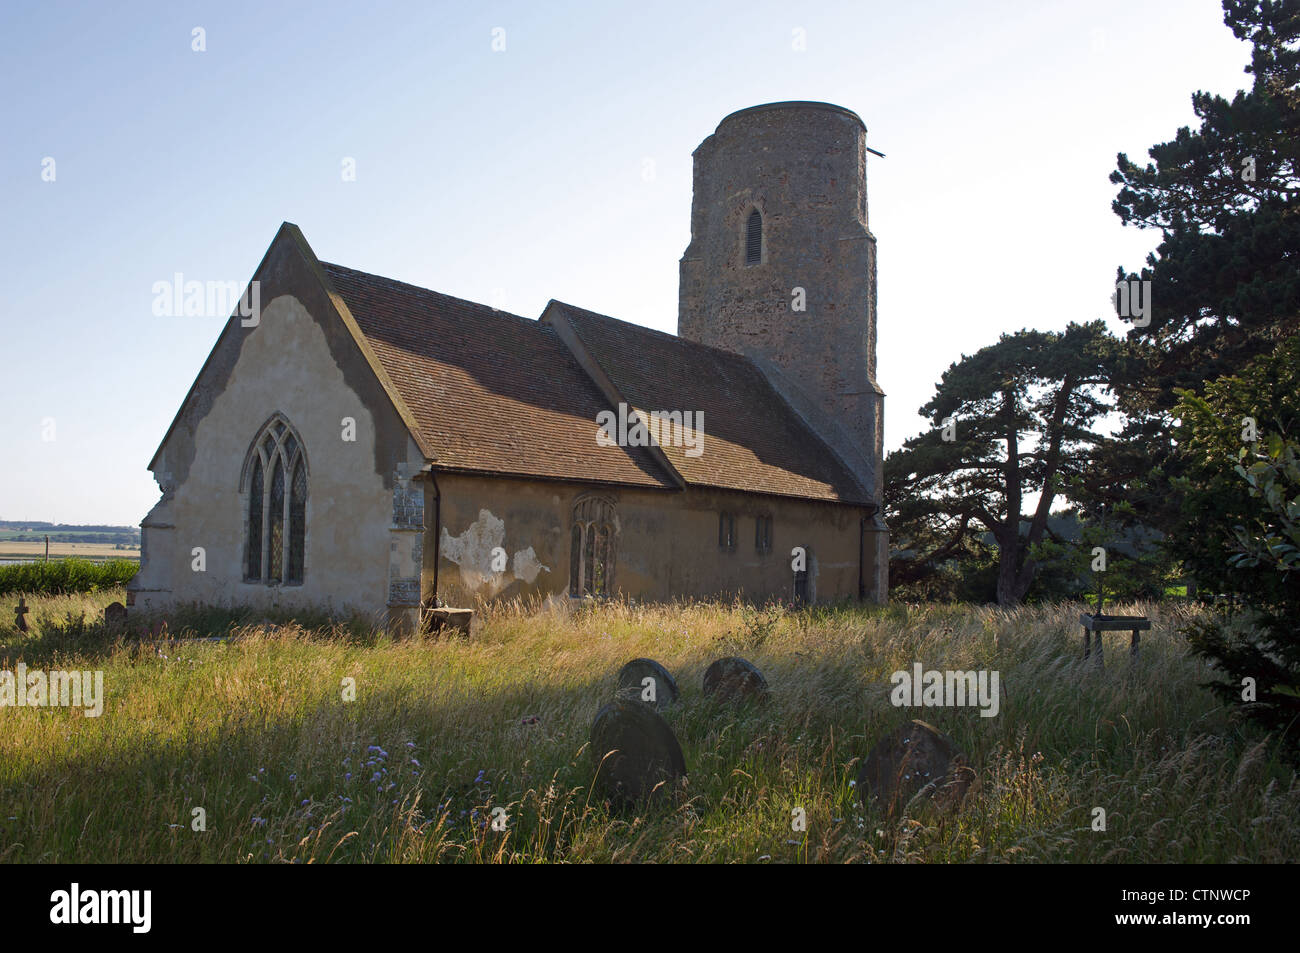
[(803, 166)]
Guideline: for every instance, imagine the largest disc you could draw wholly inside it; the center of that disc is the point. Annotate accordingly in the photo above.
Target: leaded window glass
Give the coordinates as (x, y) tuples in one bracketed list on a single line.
[(275, 542)]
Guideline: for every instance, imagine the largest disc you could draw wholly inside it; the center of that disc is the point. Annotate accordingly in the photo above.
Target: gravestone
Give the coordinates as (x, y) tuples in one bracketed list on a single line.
[(115, 613), (644, 677), (20, 614), (915, 758), (445, 617), (734, 679), (635, 753)]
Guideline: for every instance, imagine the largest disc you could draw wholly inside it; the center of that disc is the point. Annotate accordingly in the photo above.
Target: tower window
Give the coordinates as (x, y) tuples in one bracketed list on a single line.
[(754, 238)]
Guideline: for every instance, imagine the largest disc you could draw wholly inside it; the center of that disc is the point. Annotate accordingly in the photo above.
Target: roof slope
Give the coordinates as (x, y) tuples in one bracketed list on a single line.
[(490, 391), (753, 439)]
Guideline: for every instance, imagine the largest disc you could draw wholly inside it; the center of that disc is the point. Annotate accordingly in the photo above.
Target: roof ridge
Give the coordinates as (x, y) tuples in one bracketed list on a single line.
[(499, 312), (665, 334)]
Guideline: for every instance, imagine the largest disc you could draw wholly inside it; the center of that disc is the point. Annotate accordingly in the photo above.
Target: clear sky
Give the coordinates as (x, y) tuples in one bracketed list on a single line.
[(518, 175)]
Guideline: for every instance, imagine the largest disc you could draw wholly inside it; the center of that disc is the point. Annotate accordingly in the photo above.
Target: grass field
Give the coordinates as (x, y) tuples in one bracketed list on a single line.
[(33, 549), (255, 732)]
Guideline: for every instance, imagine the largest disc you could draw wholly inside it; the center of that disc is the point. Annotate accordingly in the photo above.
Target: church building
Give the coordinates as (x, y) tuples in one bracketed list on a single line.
[(365, 446)]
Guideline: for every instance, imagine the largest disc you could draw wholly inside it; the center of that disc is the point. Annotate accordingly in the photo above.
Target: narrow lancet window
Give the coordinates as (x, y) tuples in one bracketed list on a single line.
[(754, 238)]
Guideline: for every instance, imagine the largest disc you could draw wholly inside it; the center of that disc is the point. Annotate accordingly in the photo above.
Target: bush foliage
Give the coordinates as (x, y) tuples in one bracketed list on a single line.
[(65, 576)]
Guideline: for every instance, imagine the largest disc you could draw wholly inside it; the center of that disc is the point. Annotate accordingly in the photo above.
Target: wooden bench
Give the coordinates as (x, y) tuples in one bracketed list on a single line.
[(1111, 623)]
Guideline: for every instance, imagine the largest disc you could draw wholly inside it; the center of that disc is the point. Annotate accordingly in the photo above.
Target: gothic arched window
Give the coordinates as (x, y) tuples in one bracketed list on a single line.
[(754, 238), (592, 541), (275, 480)]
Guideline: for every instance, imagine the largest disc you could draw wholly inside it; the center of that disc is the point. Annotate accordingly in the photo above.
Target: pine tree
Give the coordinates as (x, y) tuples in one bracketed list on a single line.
[(1016, 418)]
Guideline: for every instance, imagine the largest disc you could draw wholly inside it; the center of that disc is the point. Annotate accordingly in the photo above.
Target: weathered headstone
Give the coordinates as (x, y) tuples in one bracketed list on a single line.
[(20, 614), (734, 678), (646, 680), (635, 753), (447, 618), (915, 758), (115, 613)]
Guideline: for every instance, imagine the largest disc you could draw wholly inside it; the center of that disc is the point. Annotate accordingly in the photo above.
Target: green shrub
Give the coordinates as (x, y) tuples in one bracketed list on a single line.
[(1257, 637), (65, 576)]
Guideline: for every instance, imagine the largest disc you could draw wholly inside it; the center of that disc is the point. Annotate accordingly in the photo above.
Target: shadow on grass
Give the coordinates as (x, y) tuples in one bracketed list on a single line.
[(90, 637), (377, 779)]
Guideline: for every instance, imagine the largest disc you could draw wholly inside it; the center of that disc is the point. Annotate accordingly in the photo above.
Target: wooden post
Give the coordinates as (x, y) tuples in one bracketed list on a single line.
[(47, 548)]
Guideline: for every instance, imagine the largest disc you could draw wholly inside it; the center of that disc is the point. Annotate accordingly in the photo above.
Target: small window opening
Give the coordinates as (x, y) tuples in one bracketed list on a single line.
[(754, 239), (727, 532)]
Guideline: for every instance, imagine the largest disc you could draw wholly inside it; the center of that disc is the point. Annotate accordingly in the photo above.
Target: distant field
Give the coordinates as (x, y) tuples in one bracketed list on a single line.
[(25, 549)]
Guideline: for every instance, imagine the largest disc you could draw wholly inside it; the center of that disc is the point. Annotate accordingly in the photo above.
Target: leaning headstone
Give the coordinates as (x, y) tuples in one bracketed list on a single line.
[(646, 680), (20, 614), (635, 753), (115, 613), (445, 617), (914, 759), (734, 678)]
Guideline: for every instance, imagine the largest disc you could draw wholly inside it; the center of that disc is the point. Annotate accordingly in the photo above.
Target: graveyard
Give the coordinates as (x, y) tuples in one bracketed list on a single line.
[(765, 734)]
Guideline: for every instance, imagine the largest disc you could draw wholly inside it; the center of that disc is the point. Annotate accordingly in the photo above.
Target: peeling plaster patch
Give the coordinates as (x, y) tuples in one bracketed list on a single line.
[(472, 552), (526, 566)]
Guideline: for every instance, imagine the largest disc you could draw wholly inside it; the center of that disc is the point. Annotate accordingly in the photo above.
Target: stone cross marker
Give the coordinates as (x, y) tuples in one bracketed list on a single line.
[(636, 754), (20, 614), (734, 679), (646, 680)]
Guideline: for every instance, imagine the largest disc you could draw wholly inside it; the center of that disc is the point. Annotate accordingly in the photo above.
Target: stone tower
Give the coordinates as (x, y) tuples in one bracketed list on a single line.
[(781, 267)]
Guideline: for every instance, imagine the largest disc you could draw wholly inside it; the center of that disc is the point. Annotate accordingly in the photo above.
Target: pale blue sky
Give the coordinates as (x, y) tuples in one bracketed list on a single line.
[(520, 174)]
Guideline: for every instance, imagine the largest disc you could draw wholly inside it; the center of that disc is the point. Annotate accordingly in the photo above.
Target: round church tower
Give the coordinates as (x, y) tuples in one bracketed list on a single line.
[(782, 268)]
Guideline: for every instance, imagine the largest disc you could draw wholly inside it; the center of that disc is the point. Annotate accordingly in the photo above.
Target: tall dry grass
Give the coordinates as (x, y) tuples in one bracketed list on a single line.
[(255, 732)]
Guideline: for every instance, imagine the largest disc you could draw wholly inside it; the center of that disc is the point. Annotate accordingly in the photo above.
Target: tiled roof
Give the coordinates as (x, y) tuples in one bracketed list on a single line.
[(489, 391), (753, 439), (494, 392)]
